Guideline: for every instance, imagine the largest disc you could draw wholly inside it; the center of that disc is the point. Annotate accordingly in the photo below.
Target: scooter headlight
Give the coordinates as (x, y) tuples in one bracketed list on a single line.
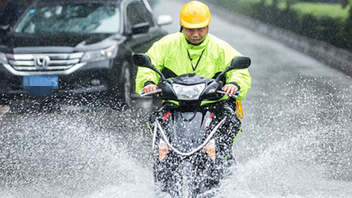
[(188, 92), (163, 150), (210, 149)]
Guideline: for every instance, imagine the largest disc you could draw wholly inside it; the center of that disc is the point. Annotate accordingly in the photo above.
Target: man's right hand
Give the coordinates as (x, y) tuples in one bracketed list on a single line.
[(150, 88)]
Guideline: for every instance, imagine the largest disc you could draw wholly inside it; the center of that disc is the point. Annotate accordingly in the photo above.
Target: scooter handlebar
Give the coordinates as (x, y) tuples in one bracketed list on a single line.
[(234, 96), (159, 91), (151, 93)]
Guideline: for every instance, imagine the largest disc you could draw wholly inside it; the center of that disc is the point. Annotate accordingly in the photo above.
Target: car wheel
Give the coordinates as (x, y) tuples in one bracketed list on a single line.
[(119, 95), (126, 87)]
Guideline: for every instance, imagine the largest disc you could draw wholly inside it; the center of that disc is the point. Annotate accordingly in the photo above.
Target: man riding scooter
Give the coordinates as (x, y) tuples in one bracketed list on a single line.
[(195, 50)]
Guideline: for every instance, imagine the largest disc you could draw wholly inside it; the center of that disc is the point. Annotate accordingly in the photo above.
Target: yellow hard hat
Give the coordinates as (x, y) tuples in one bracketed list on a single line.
[(195, 14)]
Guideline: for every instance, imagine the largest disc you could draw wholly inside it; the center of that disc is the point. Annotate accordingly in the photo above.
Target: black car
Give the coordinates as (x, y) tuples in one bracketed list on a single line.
[(75, 47)]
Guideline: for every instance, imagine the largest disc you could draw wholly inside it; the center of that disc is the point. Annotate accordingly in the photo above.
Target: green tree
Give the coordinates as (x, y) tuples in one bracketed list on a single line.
[(290, 2), (344, 3), (347, 29)]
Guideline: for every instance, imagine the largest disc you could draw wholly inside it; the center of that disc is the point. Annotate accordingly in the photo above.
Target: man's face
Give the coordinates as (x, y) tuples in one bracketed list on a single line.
[(195, 36)]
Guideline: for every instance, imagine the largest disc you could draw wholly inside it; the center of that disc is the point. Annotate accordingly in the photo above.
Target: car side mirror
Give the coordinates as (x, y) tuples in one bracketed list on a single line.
[(164, 20)]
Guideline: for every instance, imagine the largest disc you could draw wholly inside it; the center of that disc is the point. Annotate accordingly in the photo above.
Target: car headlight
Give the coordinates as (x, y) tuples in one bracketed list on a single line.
[(3, 58), (99, 55), (188, 92)]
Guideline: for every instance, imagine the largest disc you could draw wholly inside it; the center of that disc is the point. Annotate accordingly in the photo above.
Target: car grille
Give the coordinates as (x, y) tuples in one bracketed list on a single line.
[(44, 62)]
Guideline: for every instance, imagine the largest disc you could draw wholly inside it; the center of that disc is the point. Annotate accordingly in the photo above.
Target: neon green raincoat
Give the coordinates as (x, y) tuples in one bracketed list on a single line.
[(171, 54)]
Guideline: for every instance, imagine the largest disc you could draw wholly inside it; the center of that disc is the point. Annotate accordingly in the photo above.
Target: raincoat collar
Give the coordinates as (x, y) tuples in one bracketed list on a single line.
[(195, 47)]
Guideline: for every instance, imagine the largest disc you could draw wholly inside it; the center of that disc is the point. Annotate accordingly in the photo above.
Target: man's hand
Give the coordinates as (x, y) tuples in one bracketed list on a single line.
[(150, 88), (230, 89)]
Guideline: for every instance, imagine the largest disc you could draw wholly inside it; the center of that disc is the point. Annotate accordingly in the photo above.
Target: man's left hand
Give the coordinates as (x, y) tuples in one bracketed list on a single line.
[(230, 89)]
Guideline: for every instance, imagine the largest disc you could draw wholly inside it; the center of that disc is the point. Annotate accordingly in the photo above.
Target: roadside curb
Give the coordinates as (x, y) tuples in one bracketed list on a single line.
[(334, 57)]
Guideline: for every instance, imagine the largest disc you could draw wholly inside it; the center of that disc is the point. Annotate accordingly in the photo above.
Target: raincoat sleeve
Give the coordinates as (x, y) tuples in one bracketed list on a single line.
[(144, 75), (239, 76)]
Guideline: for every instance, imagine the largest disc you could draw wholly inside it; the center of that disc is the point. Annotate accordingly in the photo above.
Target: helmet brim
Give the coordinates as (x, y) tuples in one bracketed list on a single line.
[(193, 26)]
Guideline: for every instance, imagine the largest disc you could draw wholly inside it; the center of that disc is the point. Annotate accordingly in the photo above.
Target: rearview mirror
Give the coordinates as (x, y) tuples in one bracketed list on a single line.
[(143, 60), (239, 62)]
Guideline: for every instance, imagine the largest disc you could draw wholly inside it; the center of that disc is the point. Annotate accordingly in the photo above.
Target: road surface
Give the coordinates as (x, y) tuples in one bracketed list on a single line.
[(295, 140)]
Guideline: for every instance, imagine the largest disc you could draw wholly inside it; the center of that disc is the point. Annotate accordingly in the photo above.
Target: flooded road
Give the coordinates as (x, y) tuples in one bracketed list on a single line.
[(296, 139), (75, 152)]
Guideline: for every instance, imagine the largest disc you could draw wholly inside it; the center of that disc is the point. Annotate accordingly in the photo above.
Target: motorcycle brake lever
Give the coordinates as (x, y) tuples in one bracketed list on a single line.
[(151, 93), (234, 96)]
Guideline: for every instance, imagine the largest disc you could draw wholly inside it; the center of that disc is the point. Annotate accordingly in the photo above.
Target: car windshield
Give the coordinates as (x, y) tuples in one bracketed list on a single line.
[(82, 18)]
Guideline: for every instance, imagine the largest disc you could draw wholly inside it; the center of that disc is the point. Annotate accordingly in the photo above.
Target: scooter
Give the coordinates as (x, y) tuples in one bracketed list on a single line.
[(191, 151)]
